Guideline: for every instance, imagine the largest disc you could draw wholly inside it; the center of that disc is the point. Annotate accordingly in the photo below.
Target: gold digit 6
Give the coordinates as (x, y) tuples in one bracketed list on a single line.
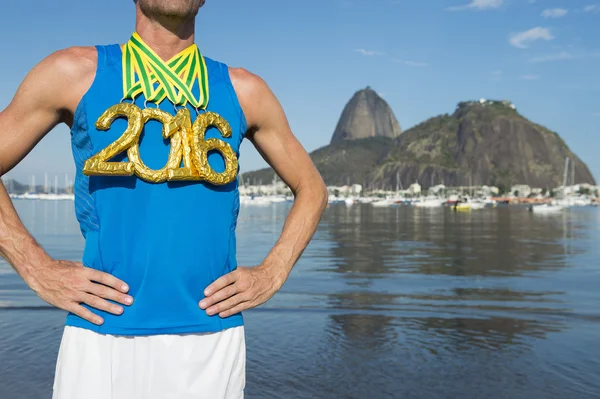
[(98, 164), (202, 147)]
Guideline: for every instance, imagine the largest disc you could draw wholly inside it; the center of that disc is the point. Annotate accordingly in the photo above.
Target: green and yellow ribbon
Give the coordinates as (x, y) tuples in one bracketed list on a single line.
[(145, 72)]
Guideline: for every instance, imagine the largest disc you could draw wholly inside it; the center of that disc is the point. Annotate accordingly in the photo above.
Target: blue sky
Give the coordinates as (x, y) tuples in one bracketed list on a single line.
[(422, 56)]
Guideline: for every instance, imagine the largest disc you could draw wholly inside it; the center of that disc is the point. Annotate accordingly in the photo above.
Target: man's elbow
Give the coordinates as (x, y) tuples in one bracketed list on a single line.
[(315, 192), (325, 199), (322, 196)]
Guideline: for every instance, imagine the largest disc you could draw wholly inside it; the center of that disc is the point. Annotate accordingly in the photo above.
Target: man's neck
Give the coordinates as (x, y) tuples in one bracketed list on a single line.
[(168, 37)]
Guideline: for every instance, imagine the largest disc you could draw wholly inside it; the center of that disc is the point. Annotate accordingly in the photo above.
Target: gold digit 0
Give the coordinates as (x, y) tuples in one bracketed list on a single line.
[(98, 164), (202, 147), (161, 175)]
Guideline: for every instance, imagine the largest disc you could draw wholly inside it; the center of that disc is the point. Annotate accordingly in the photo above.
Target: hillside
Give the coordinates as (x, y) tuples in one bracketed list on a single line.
[(480, 144)]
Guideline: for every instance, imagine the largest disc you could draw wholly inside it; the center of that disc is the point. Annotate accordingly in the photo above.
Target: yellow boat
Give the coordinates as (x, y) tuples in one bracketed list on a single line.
[(463, 207)]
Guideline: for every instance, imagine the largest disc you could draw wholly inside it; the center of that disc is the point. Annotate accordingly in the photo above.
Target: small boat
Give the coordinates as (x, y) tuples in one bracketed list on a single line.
[(428, 202), (477, 205), (462, 206), (255, 201), (383, 203), (546, 208)]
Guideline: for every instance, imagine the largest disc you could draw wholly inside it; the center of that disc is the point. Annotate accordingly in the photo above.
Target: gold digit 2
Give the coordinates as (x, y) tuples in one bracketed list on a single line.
[(98, 164), (202, 147)]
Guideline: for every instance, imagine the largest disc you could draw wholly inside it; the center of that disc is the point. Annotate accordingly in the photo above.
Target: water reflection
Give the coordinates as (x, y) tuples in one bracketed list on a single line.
[(465, 280), (441, 242)]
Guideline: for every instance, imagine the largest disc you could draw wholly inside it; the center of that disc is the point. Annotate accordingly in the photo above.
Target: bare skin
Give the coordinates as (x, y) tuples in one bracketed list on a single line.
[(41, 103)]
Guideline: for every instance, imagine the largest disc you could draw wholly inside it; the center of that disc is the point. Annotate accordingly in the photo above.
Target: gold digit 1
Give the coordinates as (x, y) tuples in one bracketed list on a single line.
[(202, 147), (161, 175), (98, 164), (181, 125)]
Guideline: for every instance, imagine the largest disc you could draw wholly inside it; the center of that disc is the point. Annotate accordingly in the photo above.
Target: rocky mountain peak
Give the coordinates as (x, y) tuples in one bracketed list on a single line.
[(366, 115)]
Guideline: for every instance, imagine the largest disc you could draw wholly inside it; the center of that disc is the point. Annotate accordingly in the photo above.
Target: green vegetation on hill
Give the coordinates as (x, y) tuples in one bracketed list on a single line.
[(339, 163), (479, 144)]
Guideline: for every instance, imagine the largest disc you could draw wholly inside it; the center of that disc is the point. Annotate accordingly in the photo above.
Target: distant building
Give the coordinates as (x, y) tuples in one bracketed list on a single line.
[(356, 189), (353, 190), (486, 191), (537, 191), (520, 190), (509, 104), (586, 186), (415, 188)]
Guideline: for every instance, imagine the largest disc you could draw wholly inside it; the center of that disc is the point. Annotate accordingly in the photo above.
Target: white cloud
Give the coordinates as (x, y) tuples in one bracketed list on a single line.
[(563, 55), (523, 39), (555, 13), (592, 8), (368, 53), (417, 64), (530, 77), (479, 5)]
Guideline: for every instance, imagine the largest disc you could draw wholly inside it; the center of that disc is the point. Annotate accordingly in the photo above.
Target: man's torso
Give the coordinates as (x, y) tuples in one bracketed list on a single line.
[(167, 240)]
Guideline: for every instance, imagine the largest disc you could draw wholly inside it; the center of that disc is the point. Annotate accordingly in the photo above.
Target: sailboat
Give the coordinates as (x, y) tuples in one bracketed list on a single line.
[(349, 200), (557, 205)]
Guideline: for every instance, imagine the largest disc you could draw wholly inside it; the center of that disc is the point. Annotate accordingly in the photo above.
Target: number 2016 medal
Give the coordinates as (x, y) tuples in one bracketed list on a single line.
[(145, 72)]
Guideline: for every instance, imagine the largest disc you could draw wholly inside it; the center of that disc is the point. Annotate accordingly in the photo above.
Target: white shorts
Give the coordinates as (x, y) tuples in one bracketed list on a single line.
[(190, 366)]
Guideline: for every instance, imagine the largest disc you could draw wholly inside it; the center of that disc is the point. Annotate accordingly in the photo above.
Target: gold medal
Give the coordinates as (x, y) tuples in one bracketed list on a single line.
[(144, 72)]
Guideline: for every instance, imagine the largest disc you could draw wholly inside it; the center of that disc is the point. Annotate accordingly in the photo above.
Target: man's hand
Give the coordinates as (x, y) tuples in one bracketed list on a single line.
[(242, 289), (67, 285)]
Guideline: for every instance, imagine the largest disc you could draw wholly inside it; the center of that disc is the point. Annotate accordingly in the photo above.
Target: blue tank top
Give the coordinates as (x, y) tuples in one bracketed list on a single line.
[(167, 241)]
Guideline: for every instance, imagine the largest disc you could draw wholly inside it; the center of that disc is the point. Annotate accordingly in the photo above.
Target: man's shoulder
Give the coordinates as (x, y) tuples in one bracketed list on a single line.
[(255, 95), (246, 80), (62, 78), (248, 86), (73, 62)]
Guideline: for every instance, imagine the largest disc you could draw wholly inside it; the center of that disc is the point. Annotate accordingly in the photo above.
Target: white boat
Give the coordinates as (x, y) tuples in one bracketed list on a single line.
[(429, 202), (275, 199), (383, 203), (477, 204), (547, 208), (260, 200), (573, 200)]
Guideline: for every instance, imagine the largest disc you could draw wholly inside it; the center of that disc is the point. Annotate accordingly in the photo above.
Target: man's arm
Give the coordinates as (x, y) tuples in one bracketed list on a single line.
[(270, 133), (48, 96)]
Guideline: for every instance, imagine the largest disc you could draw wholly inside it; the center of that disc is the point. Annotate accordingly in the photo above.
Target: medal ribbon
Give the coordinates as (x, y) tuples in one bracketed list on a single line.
[(145, 72)]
